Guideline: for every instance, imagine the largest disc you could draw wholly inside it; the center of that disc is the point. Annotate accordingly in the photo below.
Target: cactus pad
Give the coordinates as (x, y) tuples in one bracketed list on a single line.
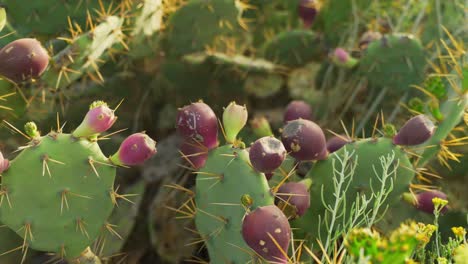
[(59, 192), (219, 211), (395, 61)]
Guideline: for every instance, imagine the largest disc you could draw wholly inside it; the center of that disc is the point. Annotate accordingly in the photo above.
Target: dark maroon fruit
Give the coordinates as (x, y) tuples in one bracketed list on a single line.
[(297, 109), (194, 153), (264, 229), (197, 121), (307, 11), (304, 140), (337, 142), (425, 204), (415, 131), (23, 59), (295, 194), (267, 154), (269, 175)]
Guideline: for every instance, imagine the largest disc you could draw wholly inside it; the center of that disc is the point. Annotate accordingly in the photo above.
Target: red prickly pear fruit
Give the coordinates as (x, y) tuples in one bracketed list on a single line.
[(297, 109), (98, 119), (4, 163), (337, 142), (134, 150), (307, 10), (23, 59), (415, 131), (197, 121), (295, 194), (264, 230), (194, 153), (267, 154), (304, 140), (424, 201)]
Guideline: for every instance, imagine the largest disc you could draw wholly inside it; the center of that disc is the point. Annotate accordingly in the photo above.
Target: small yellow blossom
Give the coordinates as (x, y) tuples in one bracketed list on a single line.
[(459, 232), (442, 261)]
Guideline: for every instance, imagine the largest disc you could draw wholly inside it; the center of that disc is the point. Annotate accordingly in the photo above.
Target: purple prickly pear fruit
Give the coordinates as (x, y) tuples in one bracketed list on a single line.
[(267, 154), (197, 121), (264, 230), (304, 140), (307, 10), (23, 59), (194, 153), (297, 109), (424, 201), (367, 38), (98, 119), (134, 150), (337, 142), (415, 131), (295, 194), (234, 119), (4, 163)]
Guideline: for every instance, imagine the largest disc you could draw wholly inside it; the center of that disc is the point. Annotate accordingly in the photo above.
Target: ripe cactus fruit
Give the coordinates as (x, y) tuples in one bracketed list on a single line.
[(415, 131), (234, 119), (98, 119), (197, 121), (267, 154), (134, 150), (195, 153), (304, 140), (337, 142), (295, 194), (297, 109), (23, 59), (59, 193), (424, 201), (307, 10), (266, 230), (4, 163)]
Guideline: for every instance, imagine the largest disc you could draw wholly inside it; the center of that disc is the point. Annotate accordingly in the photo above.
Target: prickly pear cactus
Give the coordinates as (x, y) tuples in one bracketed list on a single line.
[(59, 191), (395, 61)]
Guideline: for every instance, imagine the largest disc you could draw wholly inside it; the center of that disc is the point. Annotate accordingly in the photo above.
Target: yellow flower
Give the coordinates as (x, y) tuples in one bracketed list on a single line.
[(459, 232), (439, 203), (460, 254), (442, 261)]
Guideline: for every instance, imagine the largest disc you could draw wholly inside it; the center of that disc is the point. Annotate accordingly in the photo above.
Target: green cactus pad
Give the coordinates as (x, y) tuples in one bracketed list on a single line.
[(222, 183), (367, 154), (63, 211), (396, 61), (294, 48), (48, 18), (199, 24)]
